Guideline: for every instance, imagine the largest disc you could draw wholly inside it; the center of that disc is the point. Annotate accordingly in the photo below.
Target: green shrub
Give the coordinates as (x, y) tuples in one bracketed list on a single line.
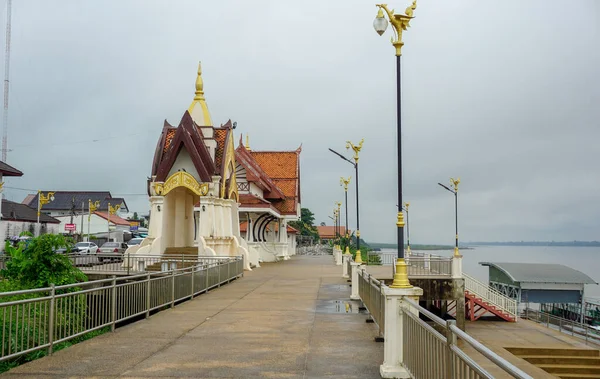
[(34, 263)]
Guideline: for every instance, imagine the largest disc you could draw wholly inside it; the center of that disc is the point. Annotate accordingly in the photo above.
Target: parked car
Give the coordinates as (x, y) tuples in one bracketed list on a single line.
[(111, 251), (134, 241), (85, 248)]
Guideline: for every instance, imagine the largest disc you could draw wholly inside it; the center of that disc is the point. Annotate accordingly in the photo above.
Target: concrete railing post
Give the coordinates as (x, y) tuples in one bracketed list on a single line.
[(457, 267), (345, 259), (395, 309), (355, 267)]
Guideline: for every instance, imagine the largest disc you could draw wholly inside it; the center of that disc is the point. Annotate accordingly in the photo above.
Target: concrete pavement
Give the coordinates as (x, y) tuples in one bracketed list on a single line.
[(283, 320)]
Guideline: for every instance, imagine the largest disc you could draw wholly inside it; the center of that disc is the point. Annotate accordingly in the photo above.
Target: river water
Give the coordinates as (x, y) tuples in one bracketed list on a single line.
[(584, 259)]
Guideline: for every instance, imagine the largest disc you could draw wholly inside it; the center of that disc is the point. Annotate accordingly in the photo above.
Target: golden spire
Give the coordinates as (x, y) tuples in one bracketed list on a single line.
[(198, 109), (247, 142), (199, 84)]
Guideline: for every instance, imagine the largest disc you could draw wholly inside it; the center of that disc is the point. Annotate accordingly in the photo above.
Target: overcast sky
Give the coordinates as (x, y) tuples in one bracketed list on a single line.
[(503, 94)]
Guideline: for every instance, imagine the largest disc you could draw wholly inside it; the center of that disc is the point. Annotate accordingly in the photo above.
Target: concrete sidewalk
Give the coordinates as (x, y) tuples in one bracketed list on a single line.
[(279, 321)]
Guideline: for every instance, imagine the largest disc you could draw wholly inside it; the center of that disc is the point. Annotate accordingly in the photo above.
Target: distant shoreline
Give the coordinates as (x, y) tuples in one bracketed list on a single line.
[(472, 245), (535, 243)]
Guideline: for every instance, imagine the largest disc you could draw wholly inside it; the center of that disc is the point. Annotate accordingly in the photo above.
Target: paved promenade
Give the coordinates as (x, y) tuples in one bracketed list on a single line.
[(279, 321)]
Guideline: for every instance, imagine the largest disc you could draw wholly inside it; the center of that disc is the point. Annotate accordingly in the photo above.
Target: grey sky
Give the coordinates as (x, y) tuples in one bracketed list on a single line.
[(503, 94)]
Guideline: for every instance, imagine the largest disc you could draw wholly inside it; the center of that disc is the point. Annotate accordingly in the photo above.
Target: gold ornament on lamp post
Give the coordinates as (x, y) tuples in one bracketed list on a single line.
[(92, 207), (111, 211), (43, 200)]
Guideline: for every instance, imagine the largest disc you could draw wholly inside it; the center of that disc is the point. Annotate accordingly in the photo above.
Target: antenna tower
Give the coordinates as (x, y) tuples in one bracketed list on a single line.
[(6, 71)]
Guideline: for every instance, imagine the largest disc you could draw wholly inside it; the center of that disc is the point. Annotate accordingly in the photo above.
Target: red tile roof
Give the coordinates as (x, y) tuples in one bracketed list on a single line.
[(113, 218), (256, 175), (329, 231), (220, 135), (252, 201), (283, 167)]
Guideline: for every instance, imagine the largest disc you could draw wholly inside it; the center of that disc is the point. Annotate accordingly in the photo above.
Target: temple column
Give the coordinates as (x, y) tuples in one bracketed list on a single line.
[(180, 213), (249, 227), (189, 219)]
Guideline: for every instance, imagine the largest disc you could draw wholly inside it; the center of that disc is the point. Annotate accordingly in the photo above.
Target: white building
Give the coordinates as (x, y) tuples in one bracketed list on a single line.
[(98, 225)]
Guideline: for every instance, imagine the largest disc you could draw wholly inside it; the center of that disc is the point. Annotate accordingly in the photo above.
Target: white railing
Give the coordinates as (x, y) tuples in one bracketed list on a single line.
[(38, 319), (490, 295), (431, 354), (416, 348), (369, 290)]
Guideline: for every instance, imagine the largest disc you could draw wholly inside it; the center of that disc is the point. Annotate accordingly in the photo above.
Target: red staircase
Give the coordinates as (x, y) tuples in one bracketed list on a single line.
[(475, 307), (482, 300)]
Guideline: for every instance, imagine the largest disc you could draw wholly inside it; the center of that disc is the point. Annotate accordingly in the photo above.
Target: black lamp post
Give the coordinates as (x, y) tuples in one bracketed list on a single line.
[(454, 182), (356, 149), (344, 182), (400, 22)]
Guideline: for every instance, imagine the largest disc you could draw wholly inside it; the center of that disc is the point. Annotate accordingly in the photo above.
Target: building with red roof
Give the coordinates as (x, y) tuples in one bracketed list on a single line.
[(269, 189)]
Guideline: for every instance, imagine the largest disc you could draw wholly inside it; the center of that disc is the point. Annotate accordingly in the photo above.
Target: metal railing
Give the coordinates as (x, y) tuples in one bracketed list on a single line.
[(431, 354), (384, 258), (490, 295), (563, 325), (429, 265), (372, 296), (39, 319)]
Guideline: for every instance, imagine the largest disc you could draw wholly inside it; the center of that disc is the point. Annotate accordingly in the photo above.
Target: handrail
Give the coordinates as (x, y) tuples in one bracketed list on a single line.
[(57, 314), (542, 317), (490, 295), (498, 360)]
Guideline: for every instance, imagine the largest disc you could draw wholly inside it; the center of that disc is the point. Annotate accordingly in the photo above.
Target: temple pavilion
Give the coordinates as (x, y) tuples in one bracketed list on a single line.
[(202, 189)]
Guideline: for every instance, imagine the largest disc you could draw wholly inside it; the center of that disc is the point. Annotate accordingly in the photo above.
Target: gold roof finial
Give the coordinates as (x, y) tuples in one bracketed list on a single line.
[(198, 109), (247, 142), (199, 84)]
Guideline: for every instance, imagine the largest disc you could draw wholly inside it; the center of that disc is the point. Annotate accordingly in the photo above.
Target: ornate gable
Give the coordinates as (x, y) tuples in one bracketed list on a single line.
[(186, 139), (229, 188)]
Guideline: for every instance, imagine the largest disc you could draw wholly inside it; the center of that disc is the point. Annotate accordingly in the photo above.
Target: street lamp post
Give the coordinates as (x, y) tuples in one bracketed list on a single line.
[(406, 205), (42, 200), (356, 149), (454, 182), (111, 211), (400, 22), (344, 182), (339, 224), (92, 207)]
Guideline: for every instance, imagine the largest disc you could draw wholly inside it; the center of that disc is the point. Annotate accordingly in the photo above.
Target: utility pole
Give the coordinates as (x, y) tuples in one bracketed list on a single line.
[(72, 213), (81, 230)]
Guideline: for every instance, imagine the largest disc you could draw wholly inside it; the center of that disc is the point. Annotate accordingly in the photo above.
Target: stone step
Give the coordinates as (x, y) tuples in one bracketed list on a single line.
[(563, 360), (545, 351), (577, 376), (190, 250), (570, 369)]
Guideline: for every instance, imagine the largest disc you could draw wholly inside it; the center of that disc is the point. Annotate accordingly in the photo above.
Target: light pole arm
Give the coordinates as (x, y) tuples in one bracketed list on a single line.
[(446, 188), (341, 156)]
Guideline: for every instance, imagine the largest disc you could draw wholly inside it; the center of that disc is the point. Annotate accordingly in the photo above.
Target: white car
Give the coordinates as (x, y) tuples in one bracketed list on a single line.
[(85, 248)]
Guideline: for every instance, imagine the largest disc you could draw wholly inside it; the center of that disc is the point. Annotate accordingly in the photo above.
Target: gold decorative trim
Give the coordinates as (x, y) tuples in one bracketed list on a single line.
[(181, 179)]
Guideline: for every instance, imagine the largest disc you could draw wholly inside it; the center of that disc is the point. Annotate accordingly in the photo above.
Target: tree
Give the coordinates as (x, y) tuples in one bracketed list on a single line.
[(306, 224), (135, 215)]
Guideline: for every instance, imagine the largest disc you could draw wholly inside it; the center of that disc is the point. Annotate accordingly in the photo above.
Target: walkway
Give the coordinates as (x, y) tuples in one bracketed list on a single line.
[(278, 321)]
